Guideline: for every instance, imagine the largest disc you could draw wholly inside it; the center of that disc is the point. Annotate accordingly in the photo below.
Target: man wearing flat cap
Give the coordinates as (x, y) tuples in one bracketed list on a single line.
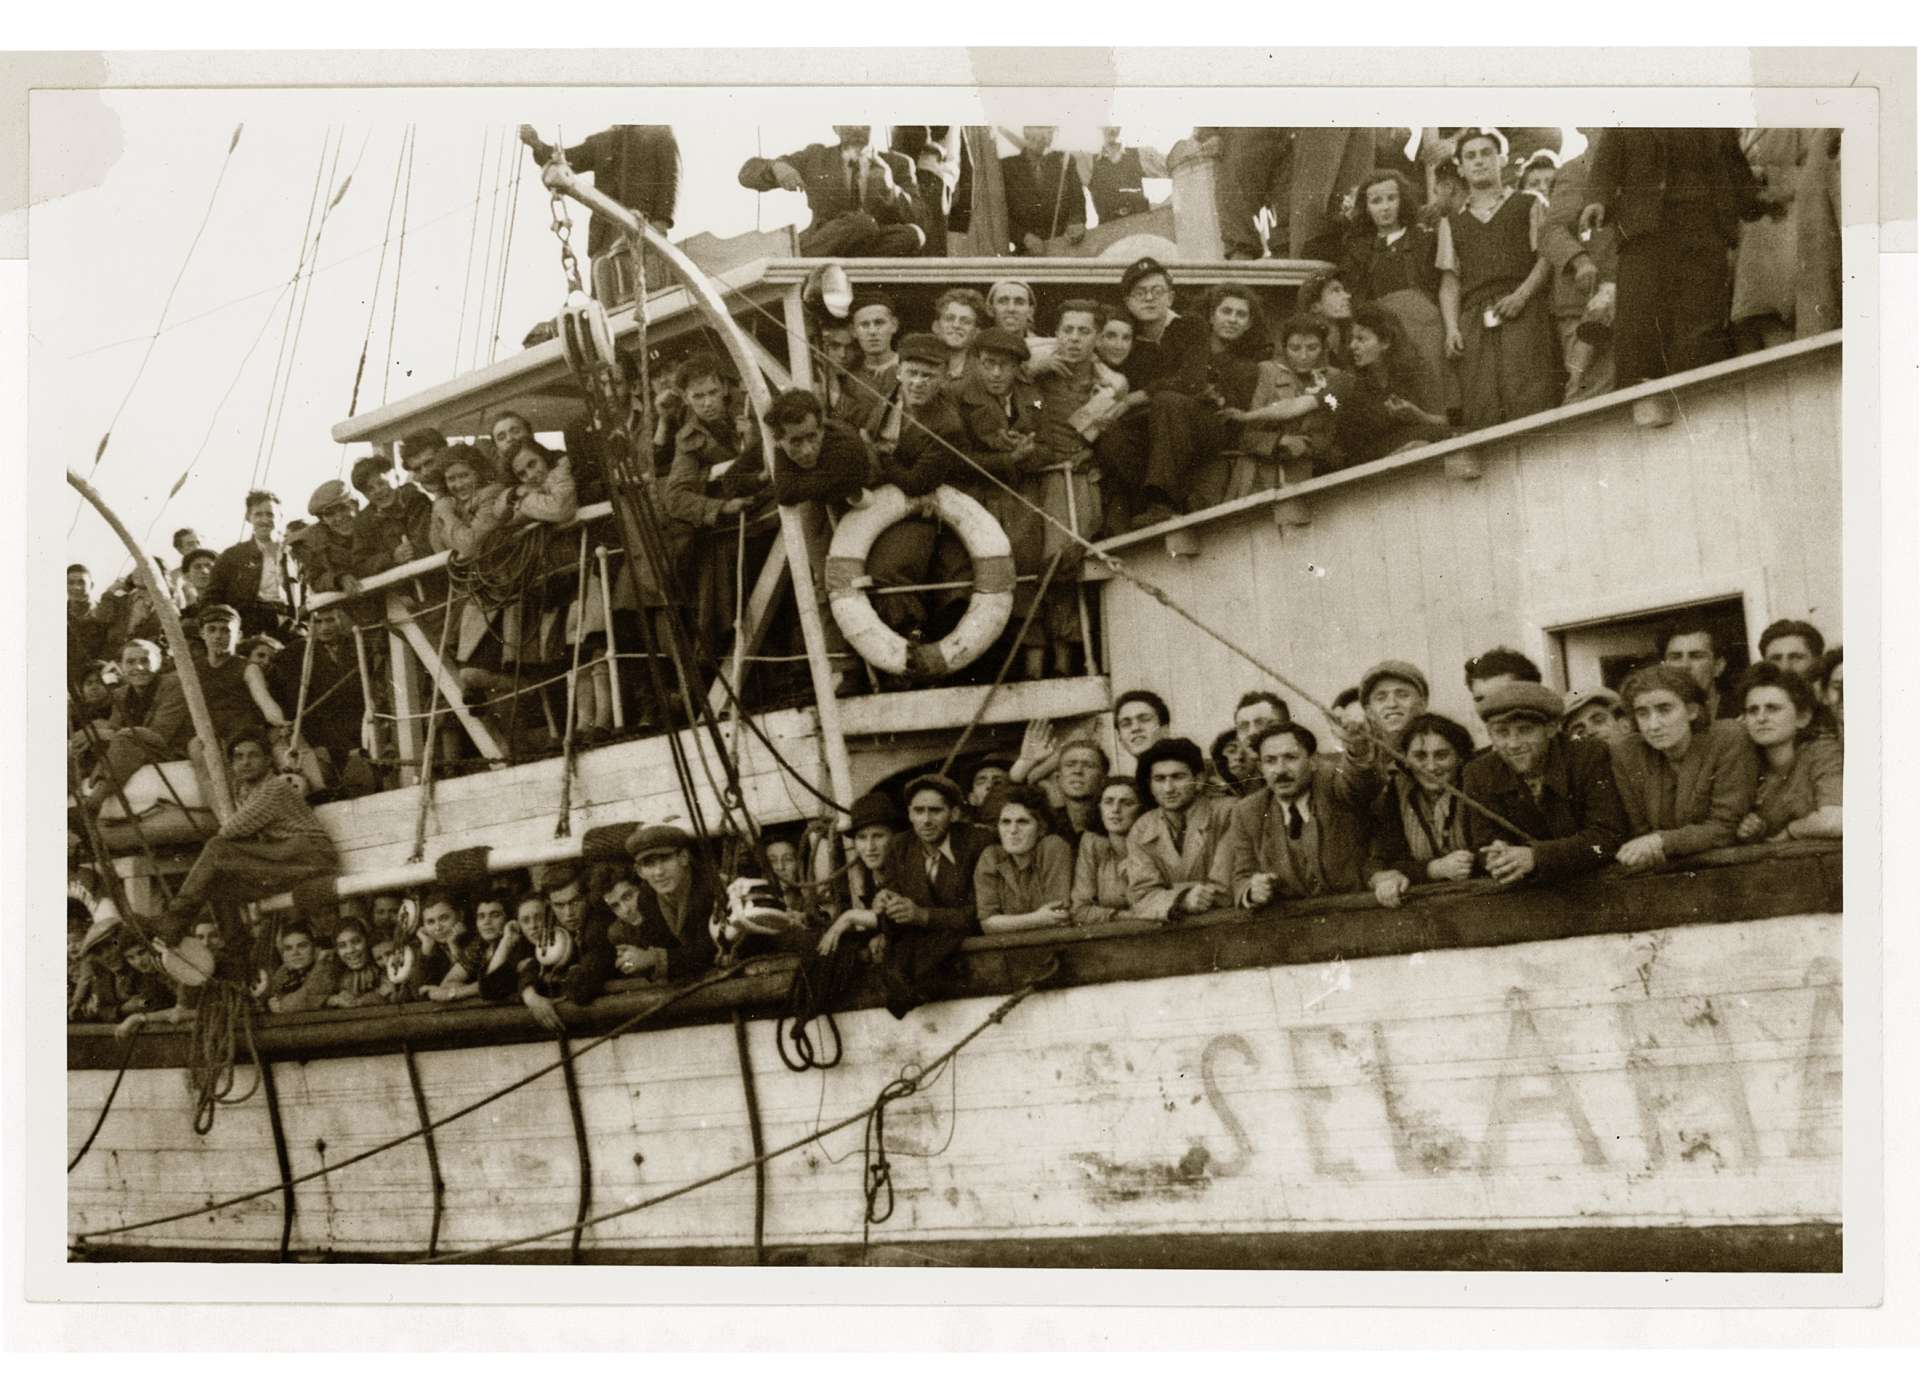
[(661, 913), (326, 551), (1559, 791), (926, 901), (916, 432)]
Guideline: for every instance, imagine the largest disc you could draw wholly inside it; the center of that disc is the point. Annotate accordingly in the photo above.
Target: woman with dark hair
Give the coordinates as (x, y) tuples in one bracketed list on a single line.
[(1235, 774), (1100, 866), (1023, 883), (475, 505), (1685, 780), (1419, 822), (1389, 260), (1802, 772), (1372, 415)]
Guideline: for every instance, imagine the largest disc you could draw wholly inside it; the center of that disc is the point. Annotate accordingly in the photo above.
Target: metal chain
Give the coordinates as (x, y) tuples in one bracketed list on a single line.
[(562, 226)]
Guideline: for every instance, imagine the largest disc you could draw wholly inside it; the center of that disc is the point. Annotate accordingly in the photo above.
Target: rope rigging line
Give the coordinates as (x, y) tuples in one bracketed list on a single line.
[(486, 257), (379, 273), (159, 324), (473, 229), (300, 263), (399, 263), (213, 420), (306, 296), (574, 1053), (257, 292), (1167, 601), (506, 260), (908, 1083)]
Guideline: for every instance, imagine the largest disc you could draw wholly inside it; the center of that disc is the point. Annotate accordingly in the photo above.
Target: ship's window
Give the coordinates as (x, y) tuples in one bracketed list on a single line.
[(1606, 651)]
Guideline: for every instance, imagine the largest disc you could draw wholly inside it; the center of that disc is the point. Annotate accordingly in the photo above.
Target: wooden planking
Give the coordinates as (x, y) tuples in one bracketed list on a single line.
[(518, 806), (953, 707), (1775, 467), (1812, 408), (333, 1110), (148, 1161), (1682, 1076), (1746, 475)]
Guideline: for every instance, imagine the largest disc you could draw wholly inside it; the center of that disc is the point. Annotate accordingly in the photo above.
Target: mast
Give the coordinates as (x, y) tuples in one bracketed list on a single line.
[(216, 767)]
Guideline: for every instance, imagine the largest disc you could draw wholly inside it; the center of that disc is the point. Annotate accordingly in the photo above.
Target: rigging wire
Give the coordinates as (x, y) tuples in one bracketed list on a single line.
[(206, 437), (306, 233), (486, 258), (306, 295), (506, 259), (160, 322), (466, 280), (399, 262), (379, 274)]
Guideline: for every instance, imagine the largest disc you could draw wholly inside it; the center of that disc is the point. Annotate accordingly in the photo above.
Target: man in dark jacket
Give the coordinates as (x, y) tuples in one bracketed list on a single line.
[(916, 432), (926, 903), (639, 166), (1676, 197), (815, 459), (858, 196), (660, 927), (1045, 199), (253, 576), (1559, 791)]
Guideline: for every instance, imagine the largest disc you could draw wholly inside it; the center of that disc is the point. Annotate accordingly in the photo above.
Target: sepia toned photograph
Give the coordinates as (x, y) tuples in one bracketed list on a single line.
[(683, 676)]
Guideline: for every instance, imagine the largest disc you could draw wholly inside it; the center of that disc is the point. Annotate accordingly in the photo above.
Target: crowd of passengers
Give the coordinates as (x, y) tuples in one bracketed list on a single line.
[(1471, 285), (1123, 818)]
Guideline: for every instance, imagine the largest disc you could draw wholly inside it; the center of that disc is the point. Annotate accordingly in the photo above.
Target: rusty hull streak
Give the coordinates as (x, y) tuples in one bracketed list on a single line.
[(1111, 1183)]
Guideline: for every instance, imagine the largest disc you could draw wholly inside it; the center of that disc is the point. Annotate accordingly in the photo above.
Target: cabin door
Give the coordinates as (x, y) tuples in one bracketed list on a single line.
[(1605, 653)]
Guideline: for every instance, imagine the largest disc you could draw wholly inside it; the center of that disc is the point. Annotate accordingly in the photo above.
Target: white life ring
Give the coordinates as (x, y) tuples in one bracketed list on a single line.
[(847, 580)]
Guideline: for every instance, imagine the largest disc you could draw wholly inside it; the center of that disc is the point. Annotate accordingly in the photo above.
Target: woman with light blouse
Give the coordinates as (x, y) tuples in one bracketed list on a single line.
[(1099, 872)]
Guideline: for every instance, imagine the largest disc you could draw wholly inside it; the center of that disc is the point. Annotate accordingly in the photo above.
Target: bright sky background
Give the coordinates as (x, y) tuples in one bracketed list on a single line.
[(122, 180), (105, 256)]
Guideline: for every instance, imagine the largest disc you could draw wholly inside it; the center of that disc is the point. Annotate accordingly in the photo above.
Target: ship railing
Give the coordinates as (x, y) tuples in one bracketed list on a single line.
[(1732, 884)]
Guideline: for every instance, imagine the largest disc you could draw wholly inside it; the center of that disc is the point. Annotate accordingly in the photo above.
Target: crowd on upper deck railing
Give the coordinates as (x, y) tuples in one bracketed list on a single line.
[(1475, 283), (1067, 832)]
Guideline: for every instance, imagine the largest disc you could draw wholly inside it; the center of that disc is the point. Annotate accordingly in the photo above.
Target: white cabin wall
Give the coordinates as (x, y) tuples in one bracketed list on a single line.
[(1565, 518)]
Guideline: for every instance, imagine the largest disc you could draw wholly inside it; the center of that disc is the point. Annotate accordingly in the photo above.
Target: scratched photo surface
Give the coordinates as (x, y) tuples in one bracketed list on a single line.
[(531, 866)]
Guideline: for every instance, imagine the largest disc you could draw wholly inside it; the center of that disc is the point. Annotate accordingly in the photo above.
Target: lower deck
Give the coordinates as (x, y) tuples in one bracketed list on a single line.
[(1639, 1069)]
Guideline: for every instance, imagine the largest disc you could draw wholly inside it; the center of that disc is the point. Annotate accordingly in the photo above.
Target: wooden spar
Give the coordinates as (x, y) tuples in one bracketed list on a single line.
[(163, 608), (559, 178)]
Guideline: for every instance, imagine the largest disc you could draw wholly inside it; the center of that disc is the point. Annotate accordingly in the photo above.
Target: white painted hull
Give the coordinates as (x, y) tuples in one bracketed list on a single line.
[(1683, 1077)]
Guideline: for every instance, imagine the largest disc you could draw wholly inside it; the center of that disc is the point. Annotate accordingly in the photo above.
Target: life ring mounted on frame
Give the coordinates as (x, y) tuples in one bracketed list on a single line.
[(847, 582)]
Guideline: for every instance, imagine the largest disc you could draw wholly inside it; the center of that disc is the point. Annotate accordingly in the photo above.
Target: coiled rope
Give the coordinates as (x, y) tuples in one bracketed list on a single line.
[(225, 1018)]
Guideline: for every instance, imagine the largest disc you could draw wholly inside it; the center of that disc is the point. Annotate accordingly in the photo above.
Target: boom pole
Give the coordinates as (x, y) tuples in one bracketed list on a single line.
[(216, 768)]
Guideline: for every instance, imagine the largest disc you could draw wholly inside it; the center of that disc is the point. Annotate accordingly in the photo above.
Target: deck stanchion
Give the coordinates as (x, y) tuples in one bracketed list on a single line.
[(612, 659)]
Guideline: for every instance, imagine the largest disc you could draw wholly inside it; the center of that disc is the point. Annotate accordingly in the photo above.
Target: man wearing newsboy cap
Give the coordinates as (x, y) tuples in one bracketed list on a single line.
[(1559, 791)]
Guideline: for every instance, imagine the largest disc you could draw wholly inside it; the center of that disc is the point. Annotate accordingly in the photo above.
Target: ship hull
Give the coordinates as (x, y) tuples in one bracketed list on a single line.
[(1458, 1088)]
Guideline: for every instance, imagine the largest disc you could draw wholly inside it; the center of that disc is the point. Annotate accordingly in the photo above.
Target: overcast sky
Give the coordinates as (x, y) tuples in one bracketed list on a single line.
[(105, 254)]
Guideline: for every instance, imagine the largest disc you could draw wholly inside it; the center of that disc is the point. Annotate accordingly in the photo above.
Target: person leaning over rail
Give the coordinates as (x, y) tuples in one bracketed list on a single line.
[(1419, 822), (1100, 890), (1685, 779), (1025, 881), (874, 828), (270, 844), (396, 527), (1171, 849), (661, 920), (1802, 777), (926, 899), (1306, 834), (1558, 791)]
